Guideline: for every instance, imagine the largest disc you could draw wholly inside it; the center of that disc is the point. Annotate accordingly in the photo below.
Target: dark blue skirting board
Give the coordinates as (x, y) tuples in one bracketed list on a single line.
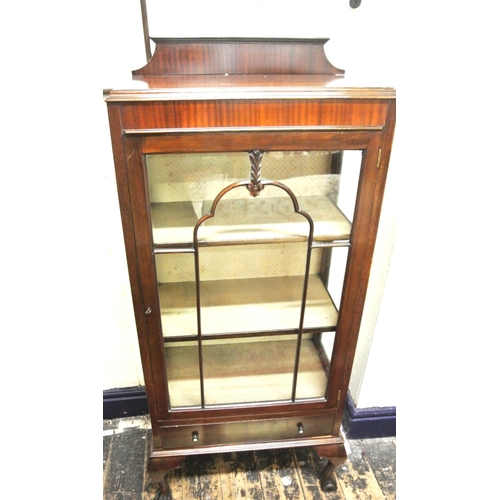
[(124, 402), (366, 423)]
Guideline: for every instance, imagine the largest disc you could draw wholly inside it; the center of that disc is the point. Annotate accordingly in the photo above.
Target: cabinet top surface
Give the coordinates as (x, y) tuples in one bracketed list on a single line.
[(241, 68)]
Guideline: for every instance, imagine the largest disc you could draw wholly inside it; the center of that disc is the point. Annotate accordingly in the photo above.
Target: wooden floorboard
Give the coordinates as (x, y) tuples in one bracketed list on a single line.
[(355, 476), (278, 474), (284, 474), (381, 456), (240, 476)]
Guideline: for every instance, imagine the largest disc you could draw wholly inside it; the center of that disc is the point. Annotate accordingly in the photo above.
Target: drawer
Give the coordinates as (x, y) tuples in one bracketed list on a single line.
[(252, 431)]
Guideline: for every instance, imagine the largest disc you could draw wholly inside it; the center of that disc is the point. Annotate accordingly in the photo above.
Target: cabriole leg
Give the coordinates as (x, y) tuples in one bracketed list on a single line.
[(157, 470), (164, 491), (336, 456)]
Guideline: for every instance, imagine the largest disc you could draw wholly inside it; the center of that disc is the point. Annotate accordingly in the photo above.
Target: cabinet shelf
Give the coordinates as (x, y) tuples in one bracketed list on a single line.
[(240, 221), (245, 372), (246, 306)]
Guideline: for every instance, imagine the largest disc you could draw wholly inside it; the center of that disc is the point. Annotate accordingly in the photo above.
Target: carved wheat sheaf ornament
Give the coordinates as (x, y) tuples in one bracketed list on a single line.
[(255, 186)]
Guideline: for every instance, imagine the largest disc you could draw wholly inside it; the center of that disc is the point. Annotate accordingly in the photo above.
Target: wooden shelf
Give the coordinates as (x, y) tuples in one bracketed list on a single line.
[(245, 372), (254, 220), (246, 306)]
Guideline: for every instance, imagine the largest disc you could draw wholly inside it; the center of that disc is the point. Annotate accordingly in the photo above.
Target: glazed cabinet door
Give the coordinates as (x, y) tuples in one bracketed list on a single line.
[(242, 259)]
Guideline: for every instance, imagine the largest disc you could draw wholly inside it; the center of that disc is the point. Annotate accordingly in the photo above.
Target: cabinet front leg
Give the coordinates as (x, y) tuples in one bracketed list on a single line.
[(164, 492), (157, 470), (336, 456)]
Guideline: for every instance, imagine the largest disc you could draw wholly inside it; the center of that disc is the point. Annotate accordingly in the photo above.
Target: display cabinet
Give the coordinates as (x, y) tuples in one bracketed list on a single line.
[(250, 177)]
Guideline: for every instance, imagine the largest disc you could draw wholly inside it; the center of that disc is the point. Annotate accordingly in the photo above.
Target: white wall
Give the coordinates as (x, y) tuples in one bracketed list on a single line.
[(361, 42), (124, 52)]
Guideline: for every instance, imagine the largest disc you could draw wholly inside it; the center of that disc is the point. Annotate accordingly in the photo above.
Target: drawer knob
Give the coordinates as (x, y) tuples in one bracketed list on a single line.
[(195, 436), (300, 427)]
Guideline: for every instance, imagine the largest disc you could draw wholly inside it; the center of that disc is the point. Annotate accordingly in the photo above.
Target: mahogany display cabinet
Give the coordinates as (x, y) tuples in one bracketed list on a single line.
[(250, 179)]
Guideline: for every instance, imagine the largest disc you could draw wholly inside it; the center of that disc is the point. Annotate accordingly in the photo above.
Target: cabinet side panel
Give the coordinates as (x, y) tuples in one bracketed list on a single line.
[(364, 234), (120, 162)]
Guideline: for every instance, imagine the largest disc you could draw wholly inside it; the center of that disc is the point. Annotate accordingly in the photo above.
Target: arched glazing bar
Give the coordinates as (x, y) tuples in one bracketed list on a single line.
[(254, 186)]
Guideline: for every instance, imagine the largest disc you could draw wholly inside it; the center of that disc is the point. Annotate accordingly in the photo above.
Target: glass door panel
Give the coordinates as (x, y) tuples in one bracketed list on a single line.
[(181, 185), (183, 375), (248, 370), (182, 188), (177, 294), (315, 356), (232, 243), (314, 178), (249, 290)]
